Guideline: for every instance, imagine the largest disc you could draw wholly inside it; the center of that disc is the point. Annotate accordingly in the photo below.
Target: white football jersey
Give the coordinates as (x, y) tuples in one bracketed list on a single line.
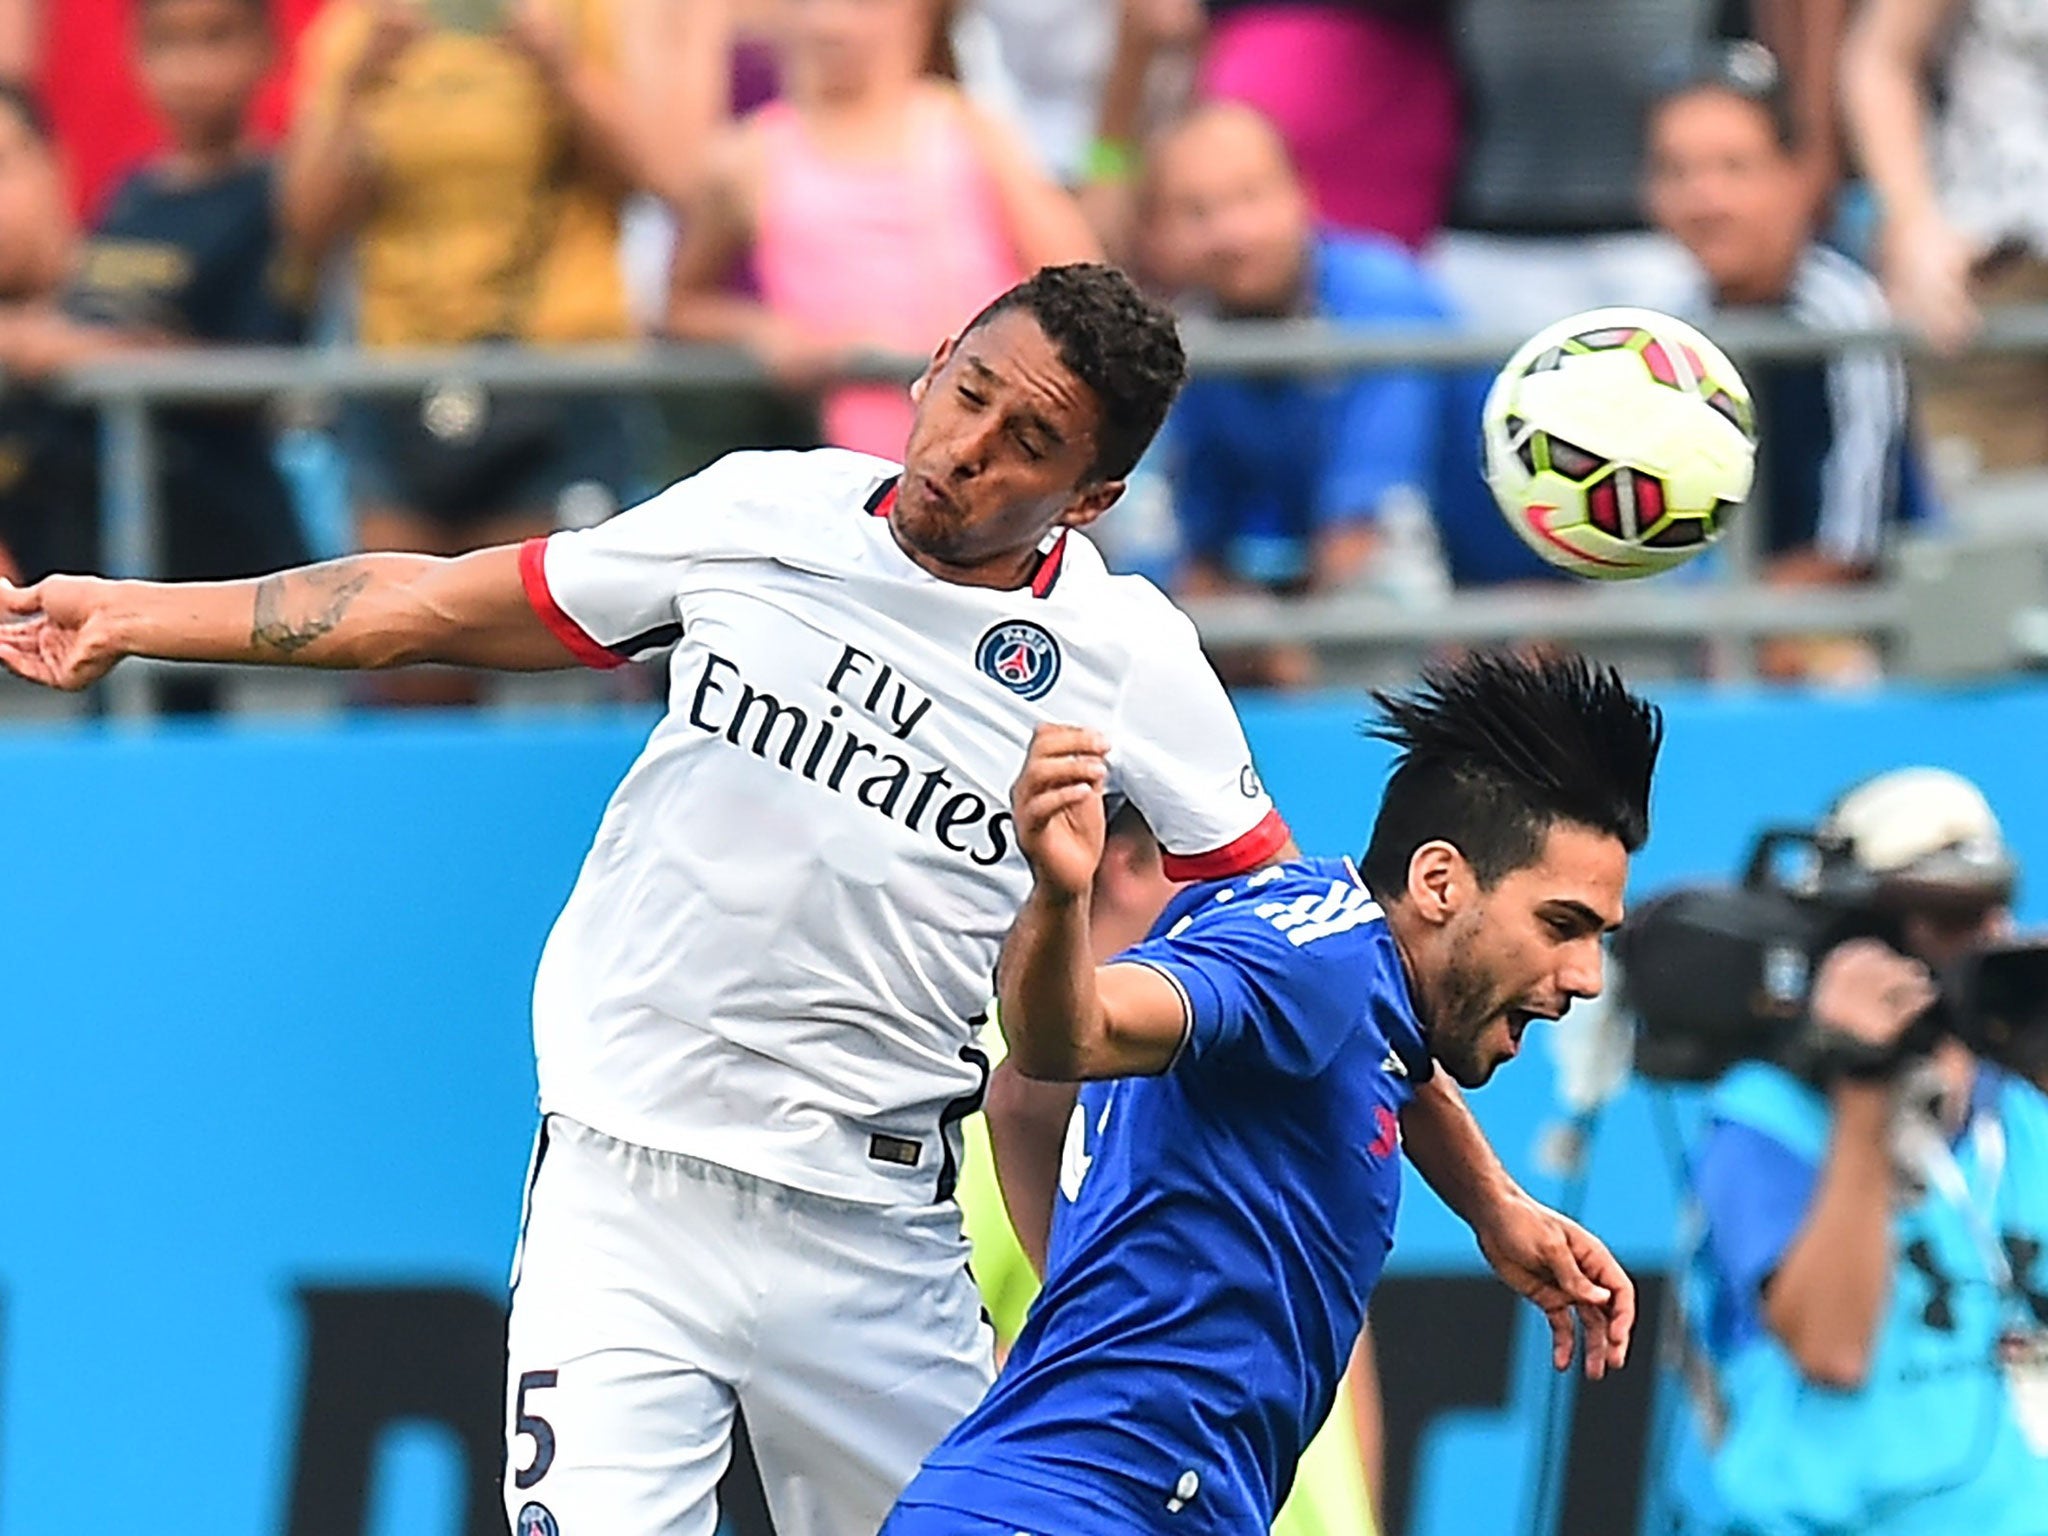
[(784, 933)]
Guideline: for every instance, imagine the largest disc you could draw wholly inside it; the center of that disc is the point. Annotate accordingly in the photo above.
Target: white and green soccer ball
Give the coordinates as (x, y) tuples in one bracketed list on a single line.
[(1618, 442)]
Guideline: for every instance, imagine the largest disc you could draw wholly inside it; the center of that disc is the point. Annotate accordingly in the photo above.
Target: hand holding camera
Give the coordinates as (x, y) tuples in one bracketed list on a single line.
[(1870, 992)]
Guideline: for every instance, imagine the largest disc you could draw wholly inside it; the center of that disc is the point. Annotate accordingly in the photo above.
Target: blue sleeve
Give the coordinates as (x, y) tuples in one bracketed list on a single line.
[(1754, 1192), (1285, 998)]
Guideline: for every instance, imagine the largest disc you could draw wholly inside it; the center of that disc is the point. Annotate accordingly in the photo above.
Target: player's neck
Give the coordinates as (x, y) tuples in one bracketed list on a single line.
[(1002, 572), (1409, 938)]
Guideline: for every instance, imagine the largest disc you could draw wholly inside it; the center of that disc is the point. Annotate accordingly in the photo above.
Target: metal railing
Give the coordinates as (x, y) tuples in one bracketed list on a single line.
[(123, 392)]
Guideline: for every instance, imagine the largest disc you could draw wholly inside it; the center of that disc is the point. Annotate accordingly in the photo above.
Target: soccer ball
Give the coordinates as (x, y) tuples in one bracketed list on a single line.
[(1617, 442)]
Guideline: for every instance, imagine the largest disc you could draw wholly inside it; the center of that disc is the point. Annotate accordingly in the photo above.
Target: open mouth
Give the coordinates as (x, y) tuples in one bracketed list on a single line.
[(936, 497), (1519, 1020)]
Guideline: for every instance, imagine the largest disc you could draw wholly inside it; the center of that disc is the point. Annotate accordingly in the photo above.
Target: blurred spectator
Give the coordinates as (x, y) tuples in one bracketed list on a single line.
[(1479, 548), (1040, 65), (475, 153), (877, 205), (77, 57), (1547, 218), (1805, 37), (45, 496), (1333, 1486), (1869, 1285), (1085, 80), (692, 67), (1364, 94), (35, 232), (1724, 181), (1281, 484), (688, 67), (1964, 194), (186, 253)]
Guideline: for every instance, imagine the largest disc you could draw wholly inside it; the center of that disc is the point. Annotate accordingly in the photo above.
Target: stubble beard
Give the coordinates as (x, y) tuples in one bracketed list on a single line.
[(1465, 1005)]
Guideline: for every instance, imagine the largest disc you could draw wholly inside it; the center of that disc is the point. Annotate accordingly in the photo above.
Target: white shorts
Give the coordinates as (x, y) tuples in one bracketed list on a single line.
[(655, 1294)]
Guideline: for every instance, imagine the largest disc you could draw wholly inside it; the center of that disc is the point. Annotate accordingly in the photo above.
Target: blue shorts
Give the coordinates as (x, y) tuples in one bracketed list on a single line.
[(930, 1520)]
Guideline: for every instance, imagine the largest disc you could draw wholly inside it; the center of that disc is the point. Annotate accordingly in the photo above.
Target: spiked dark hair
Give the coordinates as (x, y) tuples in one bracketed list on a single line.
[(1119, 343), (1497, 747)]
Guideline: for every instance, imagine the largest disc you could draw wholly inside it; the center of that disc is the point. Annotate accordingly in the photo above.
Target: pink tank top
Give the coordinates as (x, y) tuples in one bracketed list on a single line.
[(895, 255)]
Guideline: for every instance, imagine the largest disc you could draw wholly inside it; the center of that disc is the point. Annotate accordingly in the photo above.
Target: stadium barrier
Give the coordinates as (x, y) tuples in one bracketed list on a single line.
[(270, 1095), (1946, 609)]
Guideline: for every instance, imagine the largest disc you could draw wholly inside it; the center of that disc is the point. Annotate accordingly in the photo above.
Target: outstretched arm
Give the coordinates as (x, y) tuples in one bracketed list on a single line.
[(365, 611), (1537, 1252)]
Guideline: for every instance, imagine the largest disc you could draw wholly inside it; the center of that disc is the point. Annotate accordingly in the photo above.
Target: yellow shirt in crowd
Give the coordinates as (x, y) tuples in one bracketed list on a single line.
[(485, 225)]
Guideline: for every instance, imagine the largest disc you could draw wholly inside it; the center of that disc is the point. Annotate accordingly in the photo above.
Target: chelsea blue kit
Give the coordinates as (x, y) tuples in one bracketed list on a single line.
[(1217, 1232)]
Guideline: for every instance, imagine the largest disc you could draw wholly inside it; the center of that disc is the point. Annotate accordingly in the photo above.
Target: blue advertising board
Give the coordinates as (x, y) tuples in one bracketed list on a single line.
[(269, 1098)]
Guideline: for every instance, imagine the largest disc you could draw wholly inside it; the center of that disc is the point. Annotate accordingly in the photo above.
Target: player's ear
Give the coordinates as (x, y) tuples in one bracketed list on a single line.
[(1440, 881), (923, 381), (1090, 503)]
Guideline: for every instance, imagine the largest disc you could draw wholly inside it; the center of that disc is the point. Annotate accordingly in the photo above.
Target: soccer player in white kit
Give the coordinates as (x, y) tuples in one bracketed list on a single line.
[(754, 1017)]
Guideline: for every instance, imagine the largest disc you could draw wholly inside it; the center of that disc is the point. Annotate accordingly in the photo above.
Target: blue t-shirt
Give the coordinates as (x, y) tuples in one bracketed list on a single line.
[(1218, 1230), (1929, 1443), (1260, 466)]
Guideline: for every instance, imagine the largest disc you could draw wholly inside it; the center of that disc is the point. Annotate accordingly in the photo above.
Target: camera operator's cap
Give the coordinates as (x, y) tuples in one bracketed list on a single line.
[(1926, 829)]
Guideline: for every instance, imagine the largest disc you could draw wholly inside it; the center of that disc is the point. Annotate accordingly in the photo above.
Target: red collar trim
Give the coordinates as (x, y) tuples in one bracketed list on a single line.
[(1049, 565)]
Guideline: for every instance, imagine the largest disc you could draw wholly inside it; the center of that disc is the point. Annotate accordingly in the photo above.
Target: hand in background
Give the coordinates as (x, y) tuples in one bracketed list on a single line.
[(395, 25), (1927, 265), (536, 30), (1870, 992)]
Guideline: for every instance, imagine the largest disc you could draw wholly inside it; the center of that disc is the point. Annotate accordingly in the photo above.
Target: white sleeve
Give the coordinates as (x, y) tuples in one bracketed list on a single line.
[(609, 593), (1181, 758)]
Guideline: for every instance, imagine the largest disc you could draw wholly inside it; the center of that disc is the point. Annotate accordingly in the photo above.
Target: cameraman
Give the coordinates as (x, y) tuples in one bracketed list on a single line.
[(1874, 1270)]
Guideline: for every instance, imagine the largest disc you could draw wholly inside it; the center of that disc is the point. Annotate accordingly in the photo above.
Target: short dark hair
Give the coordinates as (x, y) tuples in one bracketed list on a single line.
[(1122, 345), (1748, 71), (1497, 747)]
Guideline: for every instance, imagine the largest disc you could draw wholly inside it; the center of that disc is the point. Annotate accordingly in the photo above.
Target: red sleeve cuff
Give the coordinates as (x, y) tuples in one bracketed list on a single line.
[(1233, 858), (533, 576)]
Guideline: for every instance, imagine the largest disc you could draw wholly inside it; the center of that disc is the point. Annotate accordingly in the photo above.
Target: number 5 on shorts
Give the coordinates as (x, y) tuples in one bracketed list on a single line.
[(542, 1432)]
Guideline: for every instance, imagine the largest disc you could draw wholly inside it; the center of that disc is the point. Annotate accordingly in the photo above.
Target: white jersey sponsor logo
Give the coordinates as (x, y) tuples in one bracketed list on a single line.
[(795, 898)]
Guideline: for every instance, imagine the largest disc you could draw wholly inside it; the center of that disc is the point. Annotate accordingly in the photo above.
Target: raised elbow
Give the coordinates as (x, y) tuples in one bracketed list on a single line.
[(1045, 1061), (1827, 1346)]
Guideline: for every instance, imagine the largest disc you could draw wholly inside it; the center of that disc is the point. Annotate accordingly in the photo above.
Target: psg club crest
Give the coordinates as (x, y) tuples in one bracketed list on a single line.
[(1020, 656), (535, 1520)]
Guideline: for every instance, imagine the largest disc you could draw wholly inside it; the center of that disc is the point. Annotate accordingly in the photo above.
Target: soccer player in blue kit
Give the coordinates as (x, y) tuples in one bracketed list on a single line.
[(1230, 1178)]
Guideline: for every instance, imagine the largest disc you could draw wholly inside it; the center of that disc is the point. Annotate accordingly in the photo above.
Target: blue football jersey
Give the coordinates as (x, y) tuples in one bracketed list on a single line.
[(1218, 1229)]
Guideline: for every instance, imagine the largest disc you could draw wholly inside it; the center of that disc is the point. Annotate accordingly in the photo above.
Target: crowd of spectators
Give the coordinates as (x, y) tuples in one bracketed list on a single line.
[(816, 179)]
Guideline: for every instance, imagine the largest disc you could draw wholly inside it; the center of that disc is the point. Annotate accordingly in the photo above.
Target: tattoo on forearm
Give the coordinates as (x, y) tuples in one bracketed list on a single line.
[(295, 608)]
